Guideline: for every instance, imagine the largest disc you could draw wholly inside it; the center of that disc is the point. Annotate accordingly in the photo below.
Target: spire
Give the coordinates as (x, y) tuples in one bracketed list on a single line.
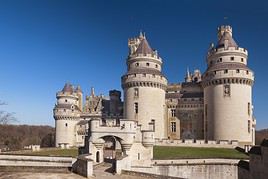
[(92, 92), (141, 35)]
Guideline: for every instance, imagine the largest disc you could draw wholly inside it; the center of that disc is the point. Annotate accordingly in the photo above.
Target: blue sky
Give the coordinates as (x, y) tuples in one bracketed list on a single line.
[(44, 44)]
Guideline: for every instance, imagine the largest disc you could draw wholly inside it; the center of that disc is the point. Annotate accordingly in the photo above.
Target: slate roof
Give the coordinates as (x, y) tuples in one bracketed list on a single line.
[(229, 66), (145, 71), (67, 106), (144, 48), (227, 36), (68, 88), (193, 95)]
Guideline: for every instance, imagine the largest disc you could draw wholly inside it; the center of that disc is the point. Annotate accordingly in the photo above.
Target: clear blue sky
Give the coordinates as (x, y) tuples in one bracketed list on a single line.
[(43, 44)]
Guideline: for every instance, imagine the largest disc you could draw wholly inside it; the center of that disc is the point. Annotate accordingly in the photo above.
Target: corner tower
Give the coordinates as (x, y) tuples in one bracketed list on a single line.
[(67, 114), (227, 83), (144, 86)]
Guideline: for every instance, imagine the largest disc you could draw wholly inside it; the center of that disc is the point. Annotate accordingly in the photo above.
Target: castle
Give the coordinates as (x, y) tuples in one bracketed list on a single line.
[(215, 105)]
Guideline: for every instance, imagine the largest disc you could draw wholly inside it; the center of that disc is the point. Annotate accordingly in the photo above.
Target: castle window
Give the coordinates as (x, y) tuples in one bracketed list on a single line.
[(220, 60), (242, 59), (249, 109), (139, 156), (215, 72), (173, 126), (247, 72), (237, 71), (153, 75), (136, 92), (66, 124), (144, 74), (65, 100), (248, 126), (232, 58), (225, 71), (137, 64), (173, 112), (226, 90), (147, 64), (136, 108), (156, 66), (64, 110)]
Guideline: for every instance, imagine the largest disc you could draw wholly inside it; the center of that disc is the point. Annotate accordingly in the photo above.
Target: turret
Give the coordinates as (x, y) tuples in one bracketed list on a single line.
[(227, 86), (66, 114), (144, 86), (80, 97), (188, 77)]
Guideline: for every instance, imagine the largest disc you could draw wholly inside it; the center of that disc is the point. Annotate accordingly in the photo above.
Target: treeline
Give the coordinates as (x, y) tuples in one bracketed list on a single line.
[(15, 137), (260, 135)]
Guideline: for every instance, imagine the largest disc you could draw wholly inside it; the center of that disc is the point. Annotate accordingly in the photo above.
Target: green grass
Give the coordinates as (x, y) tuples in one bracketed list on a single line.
[(72, 152), (168, 152)]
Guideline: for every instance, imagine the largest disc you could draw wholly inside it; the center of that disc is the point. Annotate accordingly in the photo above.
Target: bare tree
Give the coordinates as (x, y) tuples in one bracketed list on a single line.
[(6, 117)]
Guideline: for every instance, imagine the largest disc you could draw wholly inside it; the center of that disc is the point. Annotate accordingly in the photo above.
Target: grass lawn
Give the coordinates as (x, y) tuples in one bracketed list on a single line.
[(72, 152), (170, 152)]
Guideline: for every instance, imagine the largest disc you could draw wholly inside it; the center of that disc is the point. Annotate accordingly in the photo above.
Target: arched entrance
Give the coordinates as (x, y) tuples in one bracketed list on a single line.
[(112, 148)]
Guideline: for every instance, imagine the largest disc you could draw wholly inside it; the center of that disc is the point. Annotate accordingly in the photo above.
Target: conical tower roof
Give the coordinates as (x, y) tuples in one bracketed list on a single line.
[(67, 88), (144, 47), (226, 37)]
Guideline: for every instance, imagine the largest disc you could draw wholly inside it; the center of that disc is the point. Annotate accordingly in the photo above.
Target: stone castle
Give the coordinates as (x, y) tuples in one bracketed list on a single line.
[(215, 105)]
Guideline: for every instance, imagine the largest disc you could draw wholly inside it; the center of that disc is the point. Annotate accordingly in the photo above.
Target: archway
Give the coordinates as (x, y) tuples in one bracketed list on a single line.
[(112, 148)]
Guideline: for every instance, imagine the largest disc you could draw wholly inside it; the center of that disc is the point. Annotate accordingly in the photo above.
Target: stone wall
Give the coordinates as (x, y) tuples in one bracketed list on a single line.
[(35, 163), (83, 166), (193, 168), (197, 143)]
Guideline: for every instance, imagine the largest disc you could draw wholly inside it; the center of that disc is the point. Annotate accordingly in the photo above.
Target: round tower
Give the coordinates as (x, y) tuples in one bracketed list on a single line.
[(144, 87), (66, 114), (227, 86)]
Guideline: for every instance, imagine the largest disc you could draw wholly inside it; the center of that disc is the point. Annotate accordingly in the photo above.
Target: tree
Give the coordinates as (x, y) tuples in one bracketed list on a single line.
[(6, 117)]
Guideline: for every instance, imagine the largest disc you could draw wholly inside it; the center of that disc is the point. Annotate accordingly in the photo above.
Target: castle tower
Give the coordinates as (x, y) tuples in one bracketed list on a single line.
[(227, 86), (66, 114), (144, 87)]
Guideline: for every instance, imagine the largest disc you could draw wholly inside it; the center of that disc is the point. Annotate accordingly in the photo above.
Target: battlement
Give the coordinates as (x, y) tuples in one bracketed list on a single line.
[(224, 28), (218, 51)]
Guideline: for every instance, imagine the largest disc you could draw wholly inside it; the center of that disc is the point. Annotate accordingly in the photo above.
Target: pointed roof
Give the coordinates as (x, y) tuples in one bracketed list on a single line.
[(68, 88), (78, 89), (226, 36), (144, 47)]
